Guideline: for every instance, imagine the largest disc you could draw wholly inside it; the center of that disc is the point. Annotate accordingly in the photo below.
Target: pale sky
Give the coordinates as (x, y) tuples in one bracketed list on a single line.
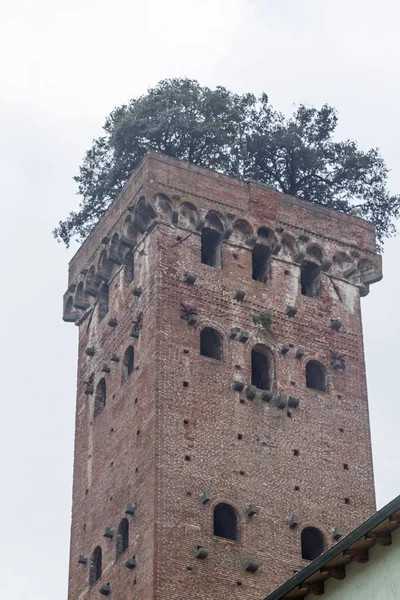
[(65, 66)]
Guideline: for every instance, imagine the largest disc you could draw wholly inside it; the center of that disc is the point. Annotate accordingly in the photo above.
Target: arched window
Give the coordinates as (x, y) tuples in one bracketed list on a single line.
[(211, 247), (95, 566), (260, 368), (312, 543), (122, 537), (128, 363), (310, 279), (260, 262), (103, 300), (210, 343), (315, 376), (129, 268), (225, 522), (100, 397), (81, 300)]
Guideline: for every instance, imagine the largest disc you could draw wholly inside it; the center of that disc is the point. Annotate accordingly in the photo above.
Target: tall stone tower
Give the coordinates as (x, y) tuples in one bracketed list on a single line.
[(222, 433)]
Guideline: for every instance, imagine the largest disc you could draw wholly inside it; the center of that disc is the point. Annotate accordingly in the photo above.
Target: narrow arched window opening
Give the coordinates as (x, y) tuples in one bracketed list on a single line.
[(210, 343), (312, 543), (129, 268), (211, 247), (128, 363), (103, 300), (260, 262), (122, 537), (95, 566), (260, 369), (310, 279), (225, 522), (315, 376), (100, 397)]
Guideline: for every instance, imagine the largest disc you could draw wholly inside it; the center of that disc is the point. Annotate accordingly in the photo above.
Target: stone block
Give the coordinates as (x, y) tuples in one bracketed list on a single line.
[(108, 533), (130, 508), (280, 229), (364, 291), (299, 256), (267, 395), (205, 497), (135, 333), (105, 368), (335, 324), (282, 401), (82, 559), (240, 294), (291, 311), (299, 352), (115, 358), (285, 349), (105, 589), (201, 553), (90, 351), (293, 402), (337, 533), (251, 565), (227, 232), (244, 336), (349, 271), (105, 240), (91, 290), (303, 237), (252, 240), (251, 392), (293, 521), (190, 278), (234, 332), (238, 386), (88, 389), (130, 563), (326, 264), (70, 317), (200, 223), (127, 241), (370, 278), (251, 510), (113, 322), (137, 291), (115, 258), (81, 304)]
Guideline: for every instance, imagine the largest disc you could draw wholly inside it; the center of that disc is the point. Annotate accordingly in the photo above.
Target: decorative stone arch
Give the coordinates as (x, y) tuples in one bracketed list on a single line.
[(188, 215), (226, 523), (128, 229), (81, 300), (104, 267), (315, 253), (340, 262), (164, 207), (262, 366), (69, 314), (242, 230), (369, 271), (215, 220), (289, 247), (316, 375), (266, 236)]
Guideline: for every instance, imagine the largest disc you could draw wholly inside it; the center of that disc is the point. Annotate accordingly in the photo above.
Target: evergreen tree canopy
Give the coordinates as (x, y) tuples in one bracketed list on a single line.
[(240, 135)]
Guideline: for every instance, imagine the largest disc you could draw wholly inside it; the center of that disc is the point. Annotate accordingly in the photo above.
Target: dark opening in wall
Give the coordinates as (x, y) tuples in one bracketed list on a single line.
[(225, 522), (260, 262), (128, 363), (312, 543), (310, 279), (210, 343), (315, 376), (129, 268), (122, 537), (100, 397), (103, 300), (95, 566), (211, 247), (260, 368)]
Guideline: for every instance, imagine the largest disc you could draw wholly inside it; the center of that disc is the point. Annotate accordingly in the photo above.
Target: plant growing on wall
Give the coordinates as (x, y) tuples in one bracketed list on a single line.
[(264, 319)]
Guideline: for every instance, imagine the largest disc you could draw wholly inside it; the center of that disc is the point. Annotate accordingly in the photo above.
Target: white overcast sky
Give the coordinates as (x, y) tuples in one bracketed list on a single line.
[(64, 66)]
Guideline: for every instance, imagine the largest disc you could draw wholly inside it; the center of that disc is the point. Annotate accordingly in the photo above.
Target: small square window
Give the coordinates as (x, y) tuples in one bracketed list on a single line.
[(186, 384), (240, 436), (347, 500), (296, 453)]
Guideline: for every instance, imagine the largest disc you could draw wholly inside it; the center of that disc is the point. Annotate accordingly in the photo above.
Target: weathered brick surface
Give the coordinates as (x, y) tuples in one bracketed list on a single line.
[(328, 428)]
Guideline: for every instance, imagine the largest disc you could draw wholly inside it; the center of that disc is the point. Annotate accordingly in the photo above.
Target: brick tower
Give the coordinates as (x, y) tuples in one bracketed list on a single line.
[(222, 432)]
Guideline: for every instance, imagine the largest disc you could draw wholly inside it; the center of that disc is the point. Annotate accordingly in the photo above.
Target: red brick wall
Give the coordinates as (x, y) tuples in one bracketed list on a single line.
[(170, 522)]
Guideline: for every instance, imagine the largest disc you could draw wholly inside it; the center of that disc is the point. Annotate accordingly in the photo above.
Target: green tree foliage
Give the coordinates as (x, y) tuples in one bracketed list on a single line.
[(237, 134)]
